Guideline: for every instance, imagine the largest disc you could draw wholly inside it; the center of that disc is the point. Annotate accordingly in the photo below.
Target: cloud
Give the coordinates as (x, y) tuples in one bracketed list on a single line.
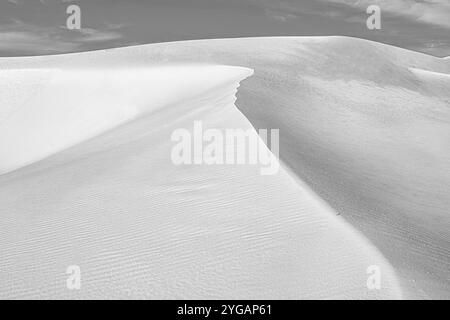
[(435, 12), (278, 15), (19, 37), (287, 10), (94, 35), (31, 42)]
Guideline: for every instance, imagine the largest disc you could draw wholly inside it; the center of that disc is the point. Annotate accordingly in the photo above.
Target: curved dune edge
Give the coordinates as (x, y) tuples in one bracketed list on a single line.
[(71, 106), (367, 134), (394, 199), (140, 227)]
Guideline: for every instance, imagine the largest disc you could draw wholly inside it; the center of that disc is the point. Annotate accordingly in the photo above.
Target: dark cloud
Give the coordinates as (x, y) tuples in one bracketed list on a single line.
[(29, 27)]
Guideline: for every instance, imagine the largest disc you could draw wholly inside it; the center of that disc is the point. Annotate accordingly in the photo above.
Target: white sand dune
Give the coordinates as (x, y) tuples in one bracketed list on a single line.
[(369, 135), (74, 105)]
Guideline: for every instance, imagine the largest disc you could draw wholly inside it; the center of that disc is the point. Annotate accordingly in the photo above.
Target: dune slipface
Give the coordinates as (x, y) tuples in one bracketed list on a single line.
[(140, 227), (71, 106), (364, 130), (105, 196)]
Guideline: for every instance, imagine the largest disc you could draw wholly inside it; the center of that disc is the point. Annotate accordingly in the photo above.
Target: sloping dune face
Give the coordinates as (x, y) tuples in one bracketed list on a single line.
[(365, 126), (89, 185), (49, 110)]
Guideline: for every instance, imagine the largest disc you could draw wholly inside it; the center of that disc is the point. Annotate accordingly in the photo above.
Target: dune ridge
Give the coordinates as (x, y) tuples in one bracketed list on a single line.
[(72, 106), (140, 227), (350, 144)]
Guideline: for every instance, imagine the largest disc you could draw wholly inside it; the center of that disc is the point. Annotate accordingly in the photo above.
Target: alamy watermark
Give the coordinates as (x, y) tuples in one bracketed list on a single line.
[(73, 282), (215, 146), (374, 278), (373, 22), (73, 21)]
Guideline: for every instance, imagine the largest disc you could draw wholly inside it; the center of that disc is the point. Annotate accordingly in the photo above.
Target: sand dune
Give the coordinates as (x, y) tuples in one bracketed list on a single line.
[(362, 135), (72, 106)]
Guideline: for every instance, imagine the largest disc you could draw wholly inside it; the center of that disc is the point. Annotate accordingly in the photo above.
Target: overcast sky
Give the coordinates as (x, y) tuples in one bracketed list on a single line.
[(34, 27)]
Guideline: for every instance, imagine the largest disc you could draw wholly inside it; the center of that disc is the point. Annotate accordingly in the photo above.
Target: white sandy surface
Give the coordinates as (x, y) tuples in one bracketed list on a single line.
[(365, 141)]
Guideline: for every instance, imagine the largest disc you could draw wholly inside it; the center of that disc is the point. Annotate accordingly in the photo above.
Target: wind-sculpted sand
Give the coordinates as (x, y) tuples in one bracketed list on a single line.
[(88, 179)]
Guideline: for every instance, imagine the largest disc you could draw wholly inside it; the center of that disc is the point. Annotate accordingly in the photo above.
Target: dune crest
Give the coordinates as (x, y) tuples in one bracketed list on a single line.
[(72, 106), (361, 135), (106, 198)]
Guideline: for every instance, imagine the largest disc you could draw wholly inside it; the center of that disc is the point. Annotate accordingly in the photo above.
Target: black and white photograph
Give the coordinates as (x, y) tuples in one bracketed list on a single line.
[(224, 150)]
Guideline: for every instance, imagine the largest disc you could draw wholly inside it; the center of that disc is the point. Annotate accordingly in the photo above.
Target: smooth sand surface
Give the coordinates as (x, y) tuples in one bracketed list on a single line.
[(361, 136)]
